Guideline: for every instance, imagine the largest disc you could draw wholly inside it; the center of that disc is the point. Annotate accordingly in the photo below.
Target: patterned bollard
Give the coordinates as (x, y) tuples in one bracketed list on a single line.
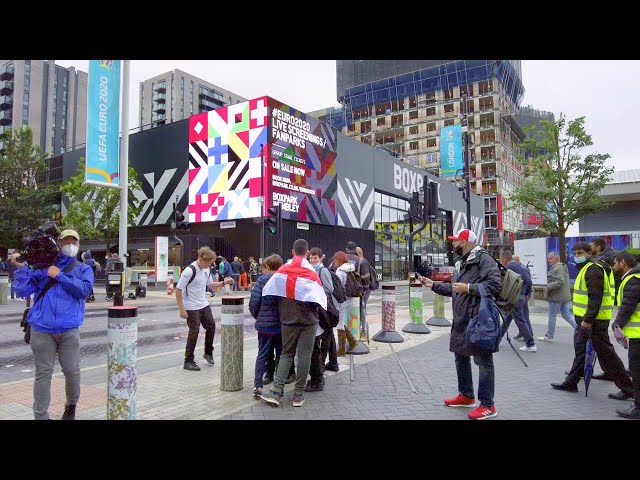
[(122, 354), (415, 311), (438, 319), (352, 324), (388, 333), (4, 289), (232, 348)]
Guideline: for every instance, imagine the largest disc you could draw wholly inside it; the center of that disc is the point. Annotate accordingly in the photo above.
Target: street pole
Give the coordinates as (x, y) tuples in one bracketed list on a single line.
[(467, 167), (262, 202), (124, 163)]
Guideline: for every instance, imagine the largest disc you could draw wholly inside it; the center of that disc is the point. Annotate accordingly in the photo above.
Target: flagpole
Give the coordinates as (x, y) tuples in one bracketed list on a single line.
[(124, 164), (262, 206)]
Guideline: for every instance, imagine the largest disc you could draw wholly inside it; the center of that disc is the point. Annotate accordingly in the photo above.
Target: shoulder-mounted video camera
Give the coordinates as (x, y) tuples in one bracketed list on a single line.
[(40, 246)]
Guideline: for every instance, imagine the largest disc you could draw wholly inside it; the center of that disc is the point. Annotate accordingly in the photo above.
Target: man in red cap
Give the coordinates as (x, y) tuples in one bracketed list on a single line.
[(473, 267)]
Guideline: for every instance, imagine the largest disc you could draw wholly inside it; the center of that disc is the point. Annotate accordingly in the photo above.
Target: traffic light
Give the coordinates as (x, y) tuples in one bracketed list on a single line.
[(432, 200), (272, 220), (179, 223), (415, 207)]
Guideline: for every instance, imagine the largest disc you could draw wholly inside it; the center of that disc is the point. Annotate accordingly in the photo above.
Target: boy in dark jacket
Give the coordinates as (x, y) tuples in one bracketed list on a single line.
[(265, 311)]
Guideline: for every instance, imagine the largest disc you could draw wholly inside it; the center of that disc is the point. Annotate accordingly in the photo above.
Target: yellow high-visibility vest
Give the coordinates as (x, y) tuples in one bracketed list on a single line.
[(632, 328), (581, 299)]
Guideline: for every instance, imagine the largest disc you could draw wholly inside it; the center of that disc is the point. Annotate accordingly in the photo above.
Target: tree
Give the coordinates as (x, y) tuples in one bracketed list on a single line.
[(94, 212), (26, 202), (558, 182)]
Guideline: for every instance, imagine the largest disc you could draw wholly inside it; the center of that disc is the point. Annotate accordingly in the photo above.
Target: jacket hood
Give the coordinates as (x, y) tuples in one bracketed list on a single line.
[(347, 267), (635, 269)]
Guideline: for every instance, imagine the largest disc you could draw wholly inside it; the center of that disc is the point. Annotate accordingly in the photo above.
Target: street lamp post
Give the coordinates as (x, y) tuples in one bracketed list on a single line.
[(467, 167)]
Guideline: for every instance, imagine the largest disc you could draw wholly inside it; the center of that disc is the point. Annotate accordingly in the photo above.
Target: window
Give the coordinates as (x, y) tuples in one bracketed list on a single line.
[(365, 127), (381, 121), (538, 219), (413, 130), (413, 145), (448, 108), (351, 127), (448, 93), (413, 115), (448, 123), (431, 127), (485, 87), (491, 220), (431, 142)]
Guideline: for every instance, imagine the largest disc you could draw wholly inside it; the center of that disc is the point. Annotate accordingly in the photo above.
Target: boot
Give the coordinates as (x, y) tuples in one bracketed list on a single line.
[(351, 339), (341, 340)]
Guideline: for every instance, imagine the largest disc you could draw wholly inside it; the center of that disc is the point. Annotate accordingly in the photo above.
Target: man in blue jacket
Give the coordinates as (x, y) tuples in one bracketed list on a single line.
[(54, 321), (519, 313)]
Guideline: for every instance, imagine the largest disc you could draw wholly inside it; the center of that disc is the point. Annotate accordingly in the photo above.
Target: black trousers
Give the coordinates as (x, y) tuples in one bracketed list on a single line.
[(195, 318), (634, 368), (607, 356), (315, 368), (328, 347)]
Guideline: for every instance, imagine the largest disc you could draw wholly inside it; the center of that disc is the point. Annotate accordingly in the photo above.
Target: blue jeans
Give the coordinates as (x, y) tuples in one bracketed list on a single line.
[(565, 309), (524, 326), (486, 382), (267, 344)]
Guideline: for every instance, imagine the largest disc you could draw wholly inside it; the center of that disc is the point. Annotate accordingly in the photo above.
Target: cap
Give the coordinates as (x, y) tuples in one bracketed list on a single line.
[(69, 233), (466, 235)]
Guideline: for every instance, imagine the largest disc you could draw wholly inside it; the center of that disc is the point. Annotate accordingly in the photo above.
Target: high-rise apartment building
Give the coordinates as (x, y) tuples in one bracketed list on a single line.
[(49, 98), (176, 95), (402, 105)]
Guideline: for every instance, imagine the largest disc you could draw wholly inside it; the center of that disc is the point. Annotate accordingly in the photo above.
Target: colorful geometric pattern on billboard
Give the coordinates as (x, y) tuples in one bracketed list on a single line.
[(224, 161), (301, 166)]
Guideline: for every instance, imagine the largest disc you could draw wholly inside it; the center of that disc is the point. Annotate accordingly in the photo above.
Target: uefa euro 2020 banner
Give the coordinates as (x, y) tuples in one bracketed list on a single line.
[(103, 123), (450, 150)]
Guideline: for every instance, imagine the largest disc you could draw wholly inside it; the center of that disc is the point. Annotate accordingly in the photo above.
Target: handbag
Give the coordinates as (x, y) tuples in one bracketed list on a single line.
[(26, 326)]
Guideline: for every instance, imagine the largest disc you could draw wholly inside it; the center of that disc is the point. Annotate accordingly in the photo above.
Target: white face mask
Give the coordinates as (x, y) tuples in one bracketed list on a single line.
[(70, 250)]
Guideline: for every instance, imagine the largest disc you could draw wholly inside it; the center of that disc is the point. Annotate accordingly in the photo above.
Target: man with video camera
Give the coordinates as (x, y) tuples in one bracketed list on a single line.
[(60, 291)]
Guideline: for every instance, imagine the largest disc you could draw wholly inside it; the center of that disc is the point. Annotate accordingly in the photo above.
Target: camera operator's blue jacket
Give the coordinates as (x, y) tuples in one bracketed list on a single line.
[(62, 307)]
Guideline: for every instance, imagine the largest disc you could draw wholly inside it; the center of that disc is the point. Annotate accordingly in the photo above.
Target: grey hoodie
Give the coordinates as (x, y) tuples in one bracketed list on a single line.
[(558, 284)]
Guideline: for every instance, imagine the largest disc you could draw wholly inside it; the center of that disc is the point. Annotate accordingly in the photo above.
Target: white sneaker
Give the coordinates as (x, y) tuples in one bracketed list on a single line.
[(546, 339), (528, 349)]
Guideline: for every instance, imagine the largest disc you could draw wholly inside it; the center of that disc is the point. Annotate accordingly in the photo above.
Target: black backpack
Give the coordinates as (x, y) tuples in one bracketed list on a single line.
[(193, 276), (353, 286), (338, 289)]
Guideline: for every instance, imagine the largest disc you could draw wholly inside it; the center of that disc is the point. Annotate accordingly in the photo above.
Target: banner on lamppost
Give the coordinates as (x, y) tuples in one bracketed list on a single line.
[(450, 150), (103, 124), (162, 259)]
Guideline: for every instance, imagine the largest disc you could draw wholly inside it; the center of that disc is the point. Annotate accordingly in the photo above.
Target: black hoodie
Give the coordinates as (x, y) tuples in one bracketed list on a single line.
[(630, 299)]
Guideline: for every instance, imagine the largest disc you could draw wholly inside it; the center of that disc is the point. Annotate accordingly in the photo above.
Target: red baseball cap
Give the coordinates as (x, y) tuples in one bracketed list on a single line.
[(466, 235)]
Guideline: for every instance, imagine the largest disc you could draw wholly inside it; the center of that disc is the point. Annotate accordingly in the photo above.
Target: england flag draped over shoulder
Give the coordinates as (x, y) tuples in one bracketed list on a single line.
[(297, 280)]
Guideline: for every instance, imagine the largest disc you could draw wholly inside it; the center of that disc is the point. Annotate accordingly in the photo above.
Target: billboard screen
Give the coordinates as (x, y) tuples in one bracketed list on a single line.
[(301, 168)]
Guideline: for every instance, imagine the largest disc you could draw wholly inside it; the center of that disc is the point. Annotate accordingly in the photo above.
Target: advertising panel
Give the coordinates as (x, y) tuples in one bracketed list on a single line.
[(103, 123), (450, 150), (301, 168), (533, 254), (162, 259)]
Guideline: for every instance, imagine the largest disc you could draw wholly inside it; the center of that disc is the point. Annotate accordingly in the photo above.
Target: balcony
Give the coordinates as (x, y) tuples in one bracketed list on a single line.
[(6, 117), (161, 108), (6, 102), (6, 87), (161, 89), (6, 72), (210, 96), (160, 98), (206, 105)]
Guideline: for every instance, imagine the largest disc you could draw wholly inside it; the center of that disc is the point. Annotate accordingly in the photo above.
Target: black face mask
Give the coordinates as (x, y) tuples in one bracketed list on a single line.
[(458, 251)]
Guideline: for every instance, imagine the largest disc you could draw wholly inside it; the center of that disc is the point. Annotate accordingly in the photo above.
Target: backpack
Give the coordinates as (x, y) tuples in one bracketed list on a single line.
[(353, 286), (338, 289), (193, 275), (484, 330), (512, 284), (330, 317)]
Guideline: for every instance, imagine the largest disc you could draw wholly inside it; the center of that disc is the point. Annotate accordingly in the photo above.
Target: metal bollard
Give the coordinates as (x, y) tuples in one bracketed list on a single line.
[(4, 289), (415, 311), (388, 333), (438, 319), (122, 354), (232, 348)]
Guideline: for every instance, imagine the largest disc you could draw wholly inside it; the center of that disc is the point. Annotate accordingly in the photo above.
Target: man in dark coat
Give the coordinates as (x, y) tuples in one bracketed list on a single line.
[(475, 266)]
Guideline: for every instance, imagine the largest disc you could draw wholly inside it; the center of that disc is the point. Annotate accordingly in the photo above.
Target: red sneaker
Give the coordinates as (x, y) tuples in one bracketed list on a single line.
[(460, 401), (482, 412)]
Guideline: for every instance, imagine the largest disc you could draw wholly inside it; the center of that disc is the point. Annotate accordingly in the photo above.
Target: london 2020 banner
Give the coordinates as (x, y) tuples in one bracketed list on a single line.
[(103, 123), (450, 150)]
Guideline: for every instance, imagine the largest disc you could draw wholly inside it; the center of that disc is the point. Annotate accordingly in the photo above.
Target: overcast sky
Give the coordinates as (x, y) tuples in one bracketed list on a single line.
[(603, 91)]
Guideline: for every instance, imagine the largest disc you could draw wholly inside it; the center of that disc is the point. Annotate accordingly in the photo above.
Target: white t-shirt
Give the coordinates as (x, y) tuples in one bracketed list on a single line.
[(193, 296)]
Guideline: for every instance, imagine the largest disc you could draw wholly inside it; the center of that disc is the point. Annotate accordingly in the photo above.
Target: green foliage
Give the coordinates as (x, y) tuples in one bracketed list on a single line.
[(635, 252), (25, 202), (558, 182), (94, 212)]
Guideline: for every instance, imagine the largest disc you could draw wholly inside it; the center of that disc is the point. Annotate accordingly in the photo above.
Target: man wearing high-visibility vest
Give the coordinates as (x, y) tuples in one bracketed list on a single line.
[(626, 326), (593, 293)]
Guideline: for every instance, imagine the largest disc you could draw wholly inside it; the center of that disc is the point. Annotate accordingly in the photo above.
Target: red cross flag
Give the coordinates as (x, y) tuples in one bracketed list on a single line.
[(297, 280)]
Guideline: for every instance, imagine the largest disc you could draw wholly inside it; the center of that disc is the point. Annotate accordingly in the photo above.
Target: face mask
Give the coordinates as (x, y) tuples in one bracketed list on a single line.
[(70, 250), (580, 259), (457, 251)]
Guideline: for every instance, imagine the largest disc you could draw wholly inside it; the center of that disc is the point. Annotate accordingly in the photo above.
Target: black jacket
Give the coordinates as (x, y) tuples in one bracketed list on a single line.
[(264, 309), (606, 256), (295, 312), (595, 288), (630, 300), (479, 267)]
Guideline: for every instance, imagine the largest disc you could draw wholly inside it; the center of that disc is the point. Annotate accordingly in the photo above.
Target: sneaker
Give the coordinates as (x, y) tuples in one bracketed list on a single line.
[(290, 379), (460, 401), (209, 359), (332, 368), (272, 398), (532, 348), (621, 395), (69, 413), (267, 379), (191, 366), (482, 413), (632, 412), (314, 387), (519, 338), (546, 339), (257, 392), (565, 387), (298, 399)]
